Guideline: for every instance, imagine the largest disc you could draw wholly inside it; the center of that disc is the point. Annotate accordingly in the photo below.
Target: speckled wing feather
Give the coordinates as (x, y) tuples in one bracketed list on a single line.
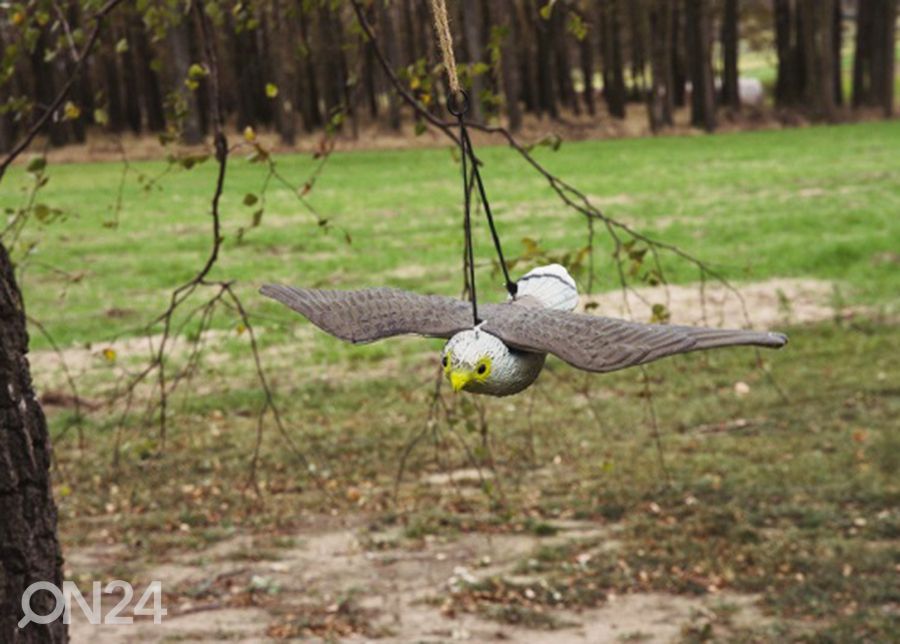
[(596, 343), (371, 314), (589, 342)]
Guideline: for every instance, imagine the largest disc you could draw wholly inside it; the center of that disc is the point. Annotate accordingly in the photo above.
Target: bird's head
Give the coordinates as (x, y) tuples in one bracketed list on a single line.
[(469, 357)]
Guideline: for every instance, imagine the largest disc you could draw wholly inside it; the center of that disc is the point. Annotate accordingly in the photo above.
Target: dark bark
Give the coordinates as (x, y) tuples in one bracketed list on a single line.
[(510, 79), (388, 36), (546, 89), (527, 46), (148, 79), (613, 74), (563, 68), (45, 89), (586, 55), (29, 548), (310, 110), (703, 98), (874, 59), (817, 20), (837, 40), (473, 38), (179, 46), (284, 71), (677, 55), (660, 98), (791, 78), (730, 38), (130, 75)]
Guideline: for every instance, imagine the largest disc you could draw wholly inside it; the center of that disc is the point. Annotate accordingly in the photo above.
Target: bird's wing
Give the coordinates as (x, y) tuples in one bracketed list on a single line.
[(595, 343), (371, 314)]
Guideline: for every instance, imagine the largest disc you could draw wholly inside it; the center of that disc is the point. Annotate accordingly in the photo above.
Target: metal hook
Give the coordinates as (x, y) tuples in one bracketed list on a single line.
[(458, 105)]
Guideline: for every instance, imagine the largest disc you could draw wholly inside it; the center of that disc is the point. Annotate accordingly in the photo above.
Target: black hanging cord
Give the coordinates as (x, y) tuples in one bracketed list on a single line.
[(458, 106)]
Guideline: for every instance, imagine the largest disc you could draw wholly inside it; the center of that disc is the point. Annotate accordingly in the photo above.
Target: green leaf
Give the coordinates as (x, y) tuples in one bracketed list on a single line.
[(41, 212), (37, 164), (250, 199), (257, 217), (547, 9), (271, 90), (196, 72), (122, 46)]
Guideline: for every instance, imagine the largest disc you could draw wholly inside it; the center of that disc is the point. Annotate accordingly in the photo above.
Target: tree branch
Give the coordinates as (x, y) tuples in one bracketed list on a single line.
[(22, 145)]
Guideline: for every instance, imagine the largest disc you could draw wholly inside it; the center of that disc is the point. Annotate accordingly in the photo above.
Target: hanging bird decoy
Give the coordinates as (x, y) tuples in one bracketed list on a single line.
[(505, 352)]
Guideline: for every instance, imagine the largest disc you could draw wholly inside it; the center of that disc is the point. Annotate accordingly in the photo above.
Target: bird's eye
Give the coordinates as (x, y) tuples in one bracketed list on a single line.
[(482, 369), (445, 361)]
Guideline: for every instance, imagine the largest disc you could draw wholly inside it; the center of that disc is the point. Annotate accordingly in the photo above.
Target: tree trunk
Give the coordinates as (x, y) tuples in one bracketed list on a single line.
[(546, 89), (730, 90), (179, 44), (613, 74), (660, 98), (679, 68), (888, 59), (837, 41), (510, 79), (392, 51), (283, 72), (29, 548), (130, 75), (471, 28), (563, 71), (874, 60), (151, 94), (586, 54), (703, 97), (817, 17), (309, 87), (791, 79)]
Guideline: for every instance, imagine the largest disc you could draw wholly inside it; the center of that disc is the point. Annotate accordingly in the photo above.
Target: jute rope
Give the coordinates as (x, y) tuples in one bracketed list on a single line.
[(445, 39)]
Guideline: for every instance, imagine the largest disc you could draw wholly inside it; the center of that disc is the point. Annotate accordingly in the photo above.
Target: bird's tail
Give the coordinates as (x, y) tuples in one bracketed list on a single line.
[(550, 285)]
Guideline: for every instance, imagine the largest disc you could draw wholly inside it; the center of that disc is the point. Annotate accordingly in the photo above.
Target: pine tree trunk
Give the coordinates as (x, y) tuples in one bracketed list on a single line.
[(546, 89), (730, 90), (677, 55), (563, 71), (29, 548), (817, 22), (889, 40), (310, 110), (179, 43), (471, 29), (388, 40), (660, 103), (151, 94), (703, 96), (510, 79), (837, 41), (586, 53), (862, 59), (283, 72), (613, 74)]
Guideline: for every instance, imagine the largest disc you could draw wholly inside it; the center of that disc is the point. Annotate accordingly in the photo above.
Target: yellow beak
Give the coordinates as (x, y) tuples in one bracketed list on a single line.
[(459, 379)]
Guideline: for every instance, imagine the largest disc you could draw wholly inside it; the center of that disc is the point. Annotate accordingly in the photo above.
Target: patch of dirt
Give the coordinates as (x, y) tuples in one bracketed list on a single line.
[(766, 305), (396, 585)]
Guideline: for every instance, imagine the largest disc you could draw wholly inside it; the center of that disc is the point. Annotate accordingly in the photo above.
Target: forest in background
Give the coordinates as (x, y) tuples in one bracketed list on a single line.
[(306, 65)]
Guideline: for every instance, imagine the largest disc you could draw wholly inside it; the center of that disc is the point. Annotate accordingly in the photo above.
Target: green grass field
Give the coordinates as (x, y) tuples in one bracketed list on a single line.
[(790, 497)]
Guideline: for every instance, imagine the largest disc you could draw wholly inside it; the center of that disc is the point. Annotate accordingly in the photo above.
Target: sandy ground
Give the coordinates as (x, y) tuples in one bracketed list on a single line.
[(400, 589)]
